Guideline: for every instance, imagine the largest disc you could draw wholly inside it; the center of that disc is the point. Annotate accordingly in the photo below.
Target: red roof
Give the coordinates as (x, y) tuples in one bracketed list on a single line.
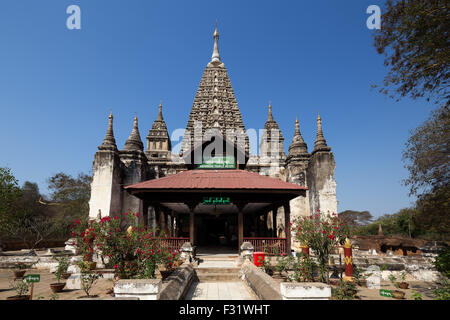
[(216, 179)]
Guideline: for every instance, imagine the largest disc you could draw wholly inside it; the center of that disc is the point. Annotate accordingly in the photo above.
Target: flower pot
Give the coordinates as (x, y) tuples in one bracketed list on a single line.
[(397, 294), (27, 297), (403, 285), (92, 265), (57, 287), (66, 275), (18, 274)]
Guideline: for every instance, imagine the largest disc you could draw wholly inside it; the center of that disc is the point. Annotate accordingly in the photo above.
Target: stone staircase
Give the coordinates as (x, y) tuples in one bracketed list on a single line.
[(217, 268)]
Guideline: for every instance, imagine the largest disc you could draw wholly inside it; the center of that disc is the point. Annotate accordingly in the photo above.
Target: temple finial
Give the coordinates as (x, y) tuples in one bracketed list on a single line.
[(320, 143), (160, 116), (270, 116), (215, 56), (109, 143), (298, 146), (134, 141)]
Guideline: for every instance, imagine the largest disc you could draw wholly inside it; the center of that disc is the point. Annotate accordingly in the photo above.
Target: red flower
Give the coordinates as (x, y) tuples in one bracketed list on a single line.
[(116, 266)]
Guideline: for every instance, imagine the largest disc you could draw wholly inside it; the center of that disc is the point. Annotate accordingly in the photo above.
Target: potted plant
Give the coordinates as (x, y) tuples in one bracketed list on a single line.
[(60, 269), (344, 290), (88, 278), (397, 294), (21, 287), (63, 263), (360, 277), (19, 270), (403, 284), (283, 263), (393, 280)]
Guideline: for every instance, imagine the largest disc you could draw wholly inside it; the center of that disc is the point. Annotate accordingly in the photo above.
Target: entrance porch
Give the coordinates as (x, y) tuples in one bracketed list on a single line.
[(220, 207)]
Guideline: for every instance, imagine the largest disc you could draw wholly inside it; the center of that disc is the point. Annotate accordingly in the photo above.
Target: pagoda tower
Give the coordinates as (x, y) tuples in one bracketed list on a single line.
[(215, 110), (106, 191), (320, 176), (135, 168)]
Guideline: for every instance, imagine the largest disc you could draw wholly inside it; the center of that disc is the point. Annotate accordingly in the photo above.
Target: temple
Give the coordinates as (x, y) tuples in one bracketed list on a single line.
[(214, 192)]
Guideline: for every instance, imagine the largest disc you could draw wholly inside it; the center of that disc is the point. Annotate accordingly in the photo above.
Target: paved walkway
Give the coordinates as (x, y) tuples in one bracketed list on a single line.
[(219, 291)]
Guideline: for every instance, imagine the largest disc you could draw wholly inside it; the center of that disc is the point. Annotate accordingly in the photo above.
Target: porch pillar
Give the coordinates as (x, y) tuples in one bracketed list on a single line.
[(287, 226), (157, 210), (191, 206), (274, 221), (255, 224), (145, 213), (266, 219), (162, 217), (240, 207), (169, 224), (258, 224), (176, 222)]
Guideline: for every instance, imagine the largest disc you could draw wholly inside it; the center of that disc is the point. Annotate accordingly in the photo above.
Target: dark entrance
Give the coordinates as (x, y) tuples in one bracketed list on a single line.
[(217, 230)]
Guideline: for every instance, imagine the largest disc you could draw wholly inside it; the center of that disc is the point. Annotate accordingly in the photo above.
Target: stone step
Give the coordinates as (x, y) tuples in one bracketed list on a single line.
[(216, 274), (217, 277), (216, 270), (212, 258)]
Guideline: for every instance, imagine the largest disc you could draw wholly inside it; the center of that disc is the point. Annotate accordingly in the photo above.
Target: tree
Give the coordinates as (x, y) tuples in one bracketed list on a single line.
[(399, 223), (427, 153), (432, 218), (356, 218), (9, 193), (414, 40), (71, 196)]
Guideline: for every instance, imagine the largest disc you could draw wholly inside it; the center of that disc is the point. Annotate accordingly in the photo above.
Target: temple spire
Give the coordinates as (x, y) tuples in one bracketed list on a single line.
[(109, 143), (298, 146), (134, 141), (215, 56), (160, 116), (321, 143), (270, 116)]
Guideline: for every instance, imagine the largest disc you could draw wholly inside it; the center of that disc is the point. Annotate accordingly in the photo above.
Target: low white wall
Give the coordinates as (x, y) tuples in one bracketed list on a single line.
[(305, 291), (144, 289)]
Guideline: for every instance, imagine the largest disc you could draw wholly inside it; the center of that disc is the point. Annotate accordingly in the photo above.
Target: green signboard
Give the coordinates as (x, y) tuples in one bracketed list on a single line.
[(33, 278), (216, 200), (222, 162), (386, 293)]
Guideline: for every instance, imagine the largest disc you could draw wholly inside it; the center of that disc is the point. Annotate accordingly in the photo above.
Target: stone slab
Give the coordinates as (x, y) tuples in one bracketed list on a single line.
[(144, 289), (74, 282), (305, 291)]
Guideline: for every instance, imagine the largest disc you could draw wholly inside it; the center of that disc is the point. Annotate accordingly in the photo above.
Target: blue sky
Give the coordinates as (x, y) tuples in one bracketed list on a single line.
[(57, 86)]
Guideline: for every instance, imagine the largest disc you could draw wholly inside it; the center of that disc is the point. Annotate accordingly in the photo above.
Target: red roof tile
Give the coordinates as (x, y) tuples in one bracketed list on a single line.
[(216, 179)]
